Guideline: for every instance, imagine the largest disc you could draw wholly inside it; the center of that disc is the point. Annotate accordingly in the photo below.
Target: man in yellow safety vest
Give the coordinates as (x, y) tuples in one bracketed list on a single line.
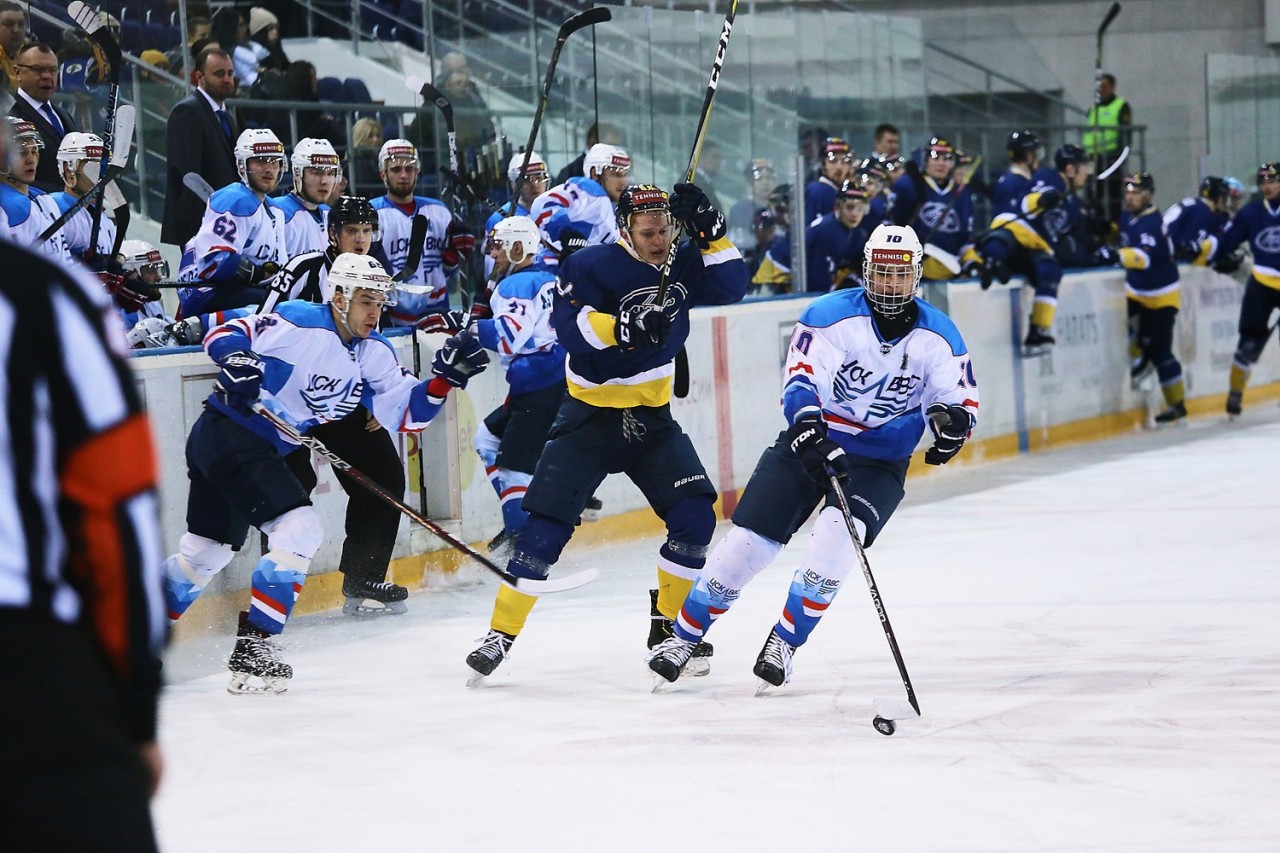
[(1108, 125)]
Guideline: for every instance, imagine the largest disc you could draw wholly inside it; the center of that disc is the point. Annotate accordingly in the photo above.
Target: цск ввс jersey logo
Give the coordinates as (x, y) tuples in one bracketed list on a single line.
[(891, 394), (331, 398)]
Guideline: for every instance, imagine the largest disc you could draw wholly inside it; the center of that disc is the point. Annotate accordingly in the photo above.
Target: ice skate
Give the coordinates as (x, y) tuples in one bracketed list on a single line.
[(1175, 414), (773, 666), (1235, 404), (591, 512), (660, 630), (493, 650), (255, 662), (502, 546), (388, 598), (1038, 342), (669, 658)]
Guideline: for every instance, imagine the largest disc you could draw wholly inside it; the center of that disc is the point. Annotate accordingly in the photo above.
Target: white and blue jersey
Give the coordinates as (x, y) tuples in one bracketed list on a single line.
[(425, 290), (579, 204), (80, 227), (312, 377), (494, 218), (871, 392), (304, 229), (28, 214), (521, 331), (237, 224)]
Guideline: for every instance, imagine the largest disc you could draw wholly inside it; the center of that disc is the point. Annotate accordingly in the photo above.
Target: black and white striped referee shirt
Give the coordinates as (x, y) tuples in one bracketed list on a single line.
[(79, 529)]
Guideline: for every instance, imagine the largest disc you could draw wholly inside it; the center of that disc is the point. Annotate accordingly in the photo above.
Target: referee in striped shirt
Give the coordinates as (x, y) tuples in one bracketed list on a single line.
[(81, 611)]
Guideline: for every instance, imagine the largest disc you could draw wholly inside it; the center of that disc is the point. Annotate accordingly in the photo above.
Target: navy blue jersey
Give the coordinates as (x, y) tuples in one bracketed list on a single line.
[(1191, 222), (1150, 275), (945, 217), (819, 199), (1259, 223), (1010, 188), (826, 246)]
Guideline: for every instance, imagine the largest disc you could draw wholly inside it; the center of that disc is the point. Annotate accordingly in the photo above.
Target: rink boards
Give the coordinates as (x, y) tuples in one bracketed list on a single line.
[(736, 354)]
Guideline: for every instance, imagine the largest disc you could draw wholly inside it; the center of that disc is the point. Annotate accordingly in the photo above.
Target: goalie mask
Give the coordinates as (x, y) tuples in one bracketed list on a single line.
[(317, 154), (76, 148), (892, 262)]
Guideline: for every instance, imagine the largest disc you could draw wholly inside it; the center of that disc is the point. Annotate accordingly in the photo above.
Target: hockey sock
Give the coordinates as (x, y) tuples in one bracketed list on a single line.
[(512, 486), (690, 525), (674, 583), (1174, 392), (510, 610), (1042, 312), (826, 564), (277, 580), (739, 557), (1239, 378), (182, 585)]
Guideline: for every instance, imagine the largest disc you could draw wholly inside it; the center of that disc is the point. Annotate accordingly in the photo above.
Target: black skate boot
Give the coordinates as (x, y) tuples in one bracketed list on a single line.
[(1176, 413), (591, 512), (256, 656), (389, 597), (669, 658), (1038, 342), (660, 630), (493, 650), (1235, 404), (773, 666)]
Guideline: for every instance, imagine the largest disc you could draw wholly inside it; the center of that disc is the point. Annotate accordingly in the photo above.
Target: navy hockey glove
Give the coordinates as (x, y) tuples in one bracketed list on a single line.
[(1106, 256), (691, 207), (240, 380), (249, 273), (1229, 264), (460, 242), (570, 242), (449, 322), (820, 456), (950, 426), (459, 359), (643, 326), (1049, 199), (1186, 251)]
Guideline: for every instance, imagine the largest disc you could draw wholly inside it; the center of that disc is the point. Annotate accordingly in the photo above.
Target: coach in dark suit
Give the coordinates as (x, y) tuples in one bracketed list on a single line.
[(200, 138), (37, 67)]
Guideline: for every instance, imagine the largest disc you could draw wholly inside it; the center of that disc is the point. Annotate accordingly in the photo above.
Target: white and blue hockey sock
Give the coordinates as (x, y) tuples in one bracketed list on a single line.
[(185, 574), (826, 564), (739, 557), (277, 580)]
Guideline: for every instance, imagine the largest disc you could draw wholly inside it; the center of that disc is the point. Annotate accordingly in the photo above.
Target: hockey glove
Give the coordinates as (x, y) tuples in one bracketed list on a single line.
[(820, 456), (449, 322), (1106, 256), (643, 327), (460, 242), (1229, 263), (691, 207), (950, 426), (249, 273), (1049, 199), (240, 380), (1186, 251), (459, 359), (125, 297), (570, 242), (186, 333)]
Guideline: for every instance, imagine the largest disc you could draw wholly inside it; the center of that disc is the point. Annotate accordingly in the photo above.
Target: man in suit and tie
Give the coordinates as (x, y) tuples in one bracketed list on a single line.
[(201, 139), (37, 67)]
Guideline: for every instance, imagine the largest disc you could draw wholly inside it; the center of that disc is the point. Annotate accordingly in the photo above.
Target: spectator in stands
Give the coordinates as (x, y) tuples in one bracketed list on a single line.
[(300, 85), (887, 142), (606, 133), (472, 121), (198, 30), (264, 35), (231, 31), (13, 31), (200, 138), (366, 140), (37, 66)]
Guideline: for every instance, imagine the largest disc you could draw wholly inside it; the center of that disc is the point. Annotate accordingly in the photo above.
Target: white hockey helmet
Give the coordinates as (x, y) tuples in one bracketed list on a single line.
[(892, 261), (397, 149), (313, 154), (150, 333), (517, 229), (140, 256), (601, 156), (78, 147), (351, 272), (20, 135), (254, 143), (537, 168)]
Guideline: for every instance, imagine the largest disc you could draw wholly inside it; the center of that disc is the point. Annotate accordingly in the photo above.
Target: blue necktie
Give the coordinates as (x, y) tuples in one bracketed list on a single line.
[(53, 118), (226, 122)]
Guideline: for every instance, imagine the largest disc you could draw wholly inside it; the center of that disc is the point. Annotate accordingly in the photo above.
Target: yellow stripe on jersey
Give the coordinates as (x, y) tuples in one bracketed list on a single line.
[(650, 388), (1134, 259), (1206, 252), (771, 272), (1267, 276), (720, 251), (604, 328), (1160, 299), (1022, 232), (936, 270)]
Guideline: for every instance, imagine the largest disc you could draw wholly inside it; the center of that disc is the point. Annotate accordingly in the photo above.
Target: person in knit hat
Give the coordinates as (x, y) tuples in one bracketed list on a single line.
[(264, 37)]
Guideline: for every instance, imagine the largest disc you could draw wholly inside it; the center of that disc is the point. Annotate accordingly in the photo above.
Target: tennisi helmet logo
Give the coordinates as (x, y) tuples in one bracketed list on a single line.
[(325, 160), (264, 148), (892, 257), (642, 198)]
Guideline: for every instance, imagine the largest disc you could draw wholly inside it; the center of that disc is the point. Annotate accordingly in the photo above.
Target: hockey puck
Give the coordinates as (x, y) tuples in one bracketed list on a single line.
[(883, 726)]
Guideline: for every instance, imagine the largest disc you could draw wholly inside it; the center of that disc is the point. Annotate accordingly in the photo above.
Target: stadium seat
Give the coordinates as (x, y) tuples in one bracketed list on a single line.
[(330, 89), (131, 37), (357, 90)]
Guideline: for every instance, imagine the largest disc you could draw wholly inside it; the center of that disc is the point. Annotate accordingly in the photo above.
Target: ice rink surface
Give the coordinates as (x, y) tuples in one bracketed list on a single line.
[(1093, 634)]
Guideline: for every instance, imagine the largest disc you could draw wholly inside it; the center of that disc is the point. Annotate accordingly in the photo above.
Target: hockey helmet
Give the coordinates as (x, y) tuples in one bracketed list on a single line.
[(641, 198), (1023, 145), (835, 149), (534, 172), (853, 190), (313, 154), (601, 156), (351, 272), (892, 262), (140, 256), (257, 143), (516, 229), (1268, 172), (396, 149), (352, 210), (1141, 182), (150, 333), (759, 167), (1068, 154), (1214, 190), (940, 148), (78, 147)]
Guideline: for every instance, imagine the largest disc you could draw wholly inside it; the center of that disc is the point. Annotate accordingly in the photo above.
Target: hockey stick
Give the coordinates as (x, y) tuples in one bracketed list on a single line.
[(886, 710), (417, 240), (198, 185), (699, 136), (1110, 170), (118, 160), (1097, 62), (95, 27), (525, 585), (588, 18)]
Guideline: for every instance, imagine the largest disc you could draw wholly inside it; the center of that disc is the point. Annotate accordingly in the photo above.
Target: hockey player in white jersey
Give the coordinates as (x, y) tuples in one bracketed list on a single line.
[(240, 245), (580, 212), (867, 370), (79, 162), (27, 210), (536, 181), (448, 244), (311, 364), (142, 266), (315, 167)]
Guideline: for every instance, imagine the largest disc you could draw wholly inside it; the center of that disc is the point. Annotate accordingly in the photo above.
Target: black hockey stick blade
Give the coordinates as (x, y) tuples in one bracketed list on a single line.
[(526, 585), (590, 17), (113, 172), (434, 95), (1106, 22), (197, 185), (417, 240)]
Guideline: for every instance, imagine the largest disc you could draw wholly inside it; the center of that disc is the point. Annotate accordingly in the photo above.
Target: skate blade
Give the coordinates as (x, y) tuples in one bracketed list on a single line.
[(1036, 351), (697, 667), (357, 607), (475, 679), (762, 687), (242, 685)]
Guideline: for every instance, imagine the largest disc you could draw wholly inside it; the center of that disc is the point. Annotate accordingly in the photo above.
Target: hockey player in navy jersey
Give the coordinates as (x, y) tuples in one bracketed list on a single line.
[(938, 208), (1152, 291), (25, 210), (312, 364), (316, 169), (836, 239), (617, 418), (867, 370), (240, 245), (579, 212), (1193, 220), (449, 240), (1258, 224), (835, 166), (1025, 153)]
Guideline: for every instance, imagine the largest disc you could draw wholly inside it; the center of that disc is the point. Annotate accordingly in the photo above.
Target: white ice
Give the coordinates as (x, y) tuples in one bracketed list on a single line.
[(1093, 634)]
